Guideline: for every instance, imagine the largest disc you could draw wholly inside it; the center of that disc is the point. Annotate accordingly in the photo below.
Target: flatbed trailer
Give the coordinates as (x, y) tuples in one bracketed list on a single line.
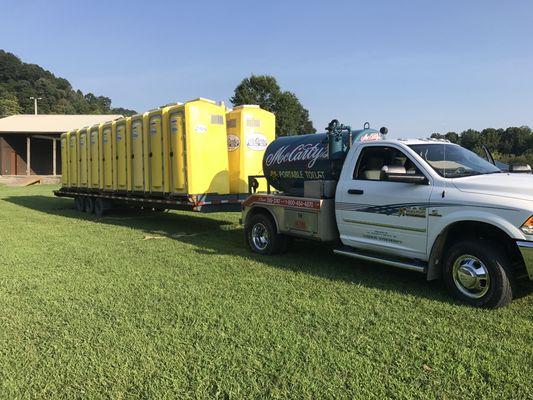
[(100, 202)]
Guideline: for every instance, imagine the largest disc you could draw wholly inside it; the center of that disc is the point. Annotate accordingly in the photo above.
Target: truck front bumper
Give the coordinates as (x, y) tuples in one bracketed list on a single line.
[(526, 248)]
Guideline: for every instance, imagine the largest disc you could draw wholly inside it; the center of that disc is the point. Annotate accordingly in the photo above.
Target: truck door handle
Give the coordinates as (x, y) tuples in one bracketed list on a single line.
[(355, 191)]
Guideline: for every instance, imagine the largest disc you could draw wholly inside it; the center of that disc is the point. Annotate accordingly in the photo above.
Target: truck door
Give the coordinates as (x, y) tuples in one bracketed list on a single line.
[(375, 214)]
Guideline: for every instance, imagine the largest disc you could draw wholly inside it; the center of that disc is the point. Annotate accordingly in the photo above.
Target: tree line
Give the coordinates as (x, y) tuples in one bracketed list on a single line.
[(510, 145), (19, 81)]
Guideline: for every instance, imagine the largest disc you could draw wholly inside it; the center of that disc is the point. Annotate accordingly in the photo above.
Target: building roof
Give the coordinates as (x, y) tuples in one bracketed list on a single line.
[(46, 123)]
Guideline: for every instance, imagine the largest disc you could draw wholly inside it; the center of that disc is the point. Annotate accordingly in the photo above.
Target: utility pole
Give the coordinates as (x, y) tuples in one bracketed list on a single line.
[(35, 103)]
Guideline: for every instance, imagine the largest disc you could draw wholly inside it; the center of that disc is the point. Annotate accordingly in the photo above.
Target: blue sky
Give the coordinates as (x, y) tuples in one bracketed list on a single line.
[(414, 66)]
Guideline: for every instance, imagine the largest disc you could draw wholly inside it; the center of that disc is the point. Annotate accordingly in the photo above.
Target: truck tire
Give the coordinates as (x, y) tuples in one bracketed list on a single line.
[(79, 201), (89, 205), (478, 273), (262, 236)]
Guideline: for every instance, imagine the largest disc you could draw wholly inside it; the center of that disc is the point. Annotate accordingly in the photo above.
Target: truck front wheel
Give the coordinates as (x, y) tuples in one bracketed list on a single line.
[(477, 272), (262, 236)]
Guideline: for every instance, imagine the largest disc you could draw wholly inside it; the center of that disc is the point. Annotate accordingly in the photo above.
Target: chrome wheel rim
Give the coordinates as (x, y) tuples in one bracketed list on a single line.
[(471, 276), (260, 236)]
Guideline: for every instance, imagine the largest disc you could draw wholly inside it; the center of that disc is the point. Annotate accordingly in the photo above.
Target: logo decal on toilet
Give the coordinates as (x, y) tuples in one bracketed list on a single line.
[(233, 142), (256, 141)]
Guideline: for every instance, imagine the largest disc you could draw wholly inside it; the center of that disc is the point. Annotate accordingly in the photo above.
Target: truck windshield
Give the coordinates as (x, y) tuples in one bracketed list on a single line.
[(453, 161)]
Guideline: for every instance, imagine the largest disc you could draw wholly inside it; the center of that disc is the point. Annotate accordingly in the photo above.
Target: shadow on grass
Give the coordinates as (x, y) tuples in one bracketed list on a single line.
[(212, 234)]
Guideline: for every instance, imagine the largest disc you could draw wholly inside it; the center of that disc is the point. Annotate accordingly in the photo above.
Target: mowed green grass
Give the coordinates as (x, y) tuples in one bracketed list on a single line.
[(172, 305)]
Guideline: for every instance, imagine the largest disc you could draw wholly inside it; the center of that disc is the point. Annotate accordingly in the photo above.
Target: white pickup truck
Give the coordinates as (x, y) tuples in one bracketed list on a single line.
[(423, 205)]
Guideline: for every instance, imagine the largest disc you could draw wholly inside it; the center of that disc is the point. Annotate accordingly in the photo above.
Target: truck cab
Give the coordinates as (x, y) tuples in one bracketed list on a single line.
[(425, 205)]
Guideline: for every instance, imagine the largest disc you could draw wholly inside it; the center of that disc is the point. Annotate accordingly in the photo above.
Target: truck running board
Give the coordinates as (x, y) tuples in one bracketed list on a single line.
[(410, 265)]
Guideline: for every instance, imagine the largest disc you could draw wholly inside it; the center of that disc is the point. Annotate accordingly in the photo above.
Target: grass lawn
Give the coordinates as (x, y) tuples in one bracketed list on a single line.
[(172, 305)]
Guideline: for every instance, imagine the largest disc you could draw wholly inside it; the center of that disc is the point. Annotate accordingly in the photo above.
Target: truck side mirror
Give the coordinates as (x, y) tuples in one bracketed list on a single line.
[(399, 174), (520, 168)]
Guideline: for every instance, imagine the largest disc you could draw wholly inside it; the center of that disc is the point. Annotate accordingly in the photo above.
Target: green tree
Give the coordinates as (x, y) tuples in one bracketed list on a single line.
[(490, 137), (22, 81), (470, 139), (9, 106), (452, 137), (122, 111), (291, 117), (515, 140)]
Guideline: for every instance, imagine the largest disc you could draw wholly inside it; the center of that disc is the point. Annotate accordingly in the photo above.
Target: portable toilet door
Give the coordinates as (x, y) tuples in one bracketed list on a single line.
[(94, 157), (73, 159), (174, 125), (82, 157), (64, 160), (120, 129), (206, 147), (107, 156), (155, 151), (135, 152), (250, 130)]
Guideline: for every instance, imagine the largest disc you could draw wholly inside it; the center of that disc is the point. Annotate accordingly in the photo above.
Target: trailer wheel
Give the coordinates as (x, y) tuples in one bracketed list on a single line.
[(99, 208), (262, 236), (79, 201), (89, 205), (479, 274)]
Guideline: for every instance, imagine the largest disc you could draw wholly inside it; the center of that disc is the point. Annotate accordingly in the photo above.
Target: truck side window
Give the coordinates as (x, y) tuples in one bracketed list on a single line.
[(374, 158)]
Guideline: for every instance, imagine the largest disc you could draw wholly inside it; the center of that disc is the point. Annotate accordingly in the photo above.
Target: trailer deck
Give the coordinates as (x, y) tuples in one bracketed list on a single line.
[(201, 203)]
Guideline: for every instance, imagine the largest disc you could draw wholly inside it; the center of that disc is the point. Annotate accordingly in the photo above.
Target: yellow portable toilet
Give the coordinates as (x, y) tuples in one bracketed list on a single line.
[(197, 150), (83, 172), (155, 141), (174, 127), (94, 156), (120, 130), (135, 151), (106, 156), (250, 130), (72, 159), (64, 160)]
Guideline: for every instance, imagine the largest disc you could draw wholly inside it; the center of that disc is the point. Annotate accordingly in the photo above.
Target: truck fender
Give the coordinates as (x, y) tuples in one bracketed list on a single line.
[(438, 248), (262, 210)]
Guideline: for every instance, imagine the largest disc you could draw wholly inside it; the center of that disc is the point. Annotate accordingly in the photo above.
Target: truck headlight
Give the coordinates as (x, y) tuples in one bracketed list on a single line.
[(527, 227)]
